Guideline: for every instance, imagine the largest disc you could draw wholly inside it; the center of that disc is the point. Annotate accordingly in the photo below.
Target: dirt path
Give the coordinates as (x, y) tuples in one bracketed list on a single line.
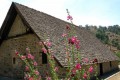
[(114, 76)]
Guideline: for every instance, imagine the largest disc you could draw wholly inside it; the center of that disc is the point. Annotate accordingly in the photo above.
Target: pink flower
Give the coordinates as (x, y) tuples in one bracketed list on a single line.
[(85, 76), (26, 76), (39, 78), (69, 17), (74, 71), (85, 60), (72, 40), (31, 78), (48, 43), (78, 66), (36, 72), (72, 75), (26, 68), (23, 57), (35, 63), (77, 46), (77, 43), (64, 35), (95, 60), (56, 69), (29, 56), (27, 49), (16, 52), (48, 78), (44, 50), (90, 69)]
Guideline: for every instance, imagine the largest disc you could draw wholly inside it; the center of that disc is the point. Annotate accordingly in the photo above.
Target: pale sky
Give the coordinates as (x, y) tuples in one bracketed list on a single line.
[(92, 12)]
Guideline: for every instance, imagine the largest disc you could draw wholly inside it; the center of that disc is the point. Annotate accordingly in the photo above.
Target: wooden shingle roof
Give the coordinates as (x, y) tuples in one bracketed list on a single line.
[(43, 24)]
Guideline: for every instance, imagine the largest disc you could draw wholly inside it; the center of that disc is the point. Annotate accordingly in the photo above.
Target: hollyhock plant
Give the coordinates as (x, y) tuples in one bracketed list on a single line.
[(74, 71), (78, 66), (85, 76), (31, 71), (36, 72), (95, 60), (69, 17), (64, 35), (35, 63), (31, 78), (73, 59), (85, 60), (90, 69), (23, 57), (56, 69), (72, 40), (30, 56), (26, 77), (44, 50), (77, 46), (26, 68), (16, 52), (48, 43), (27, 49), (48, 78)]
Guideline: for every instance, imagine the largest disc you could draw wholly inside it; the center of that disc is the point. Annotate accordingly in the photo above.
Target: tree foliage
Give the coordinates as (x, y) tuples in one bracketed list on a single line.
[(114, 29), (101, 34)]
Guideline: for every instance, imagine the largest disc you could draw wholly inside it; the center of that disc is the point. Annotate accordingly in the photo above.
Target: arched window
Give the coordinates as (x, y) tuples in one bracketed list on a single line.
[(110, 64), (14, 60)]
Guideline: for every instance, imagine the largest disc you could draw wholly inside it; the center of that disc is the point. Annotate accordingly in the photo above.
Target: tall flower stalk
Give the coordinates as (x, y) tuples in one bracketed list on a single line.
[(74, 70), (31, 70)]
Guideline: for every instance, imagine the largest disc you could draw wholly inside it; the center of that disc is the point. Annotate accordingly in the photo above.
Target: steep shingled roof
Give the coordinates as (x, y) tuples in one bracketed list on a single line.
[(44, 24)]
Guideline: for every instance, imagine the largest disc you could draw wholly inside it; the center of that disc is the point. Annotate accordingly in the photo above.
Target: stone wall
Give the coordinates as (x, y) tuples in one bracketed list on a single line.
[(15, 68), (114, 65), (9, 60), (109, 66), (11, 65), (5, 59), (106, 67), (17, 27)]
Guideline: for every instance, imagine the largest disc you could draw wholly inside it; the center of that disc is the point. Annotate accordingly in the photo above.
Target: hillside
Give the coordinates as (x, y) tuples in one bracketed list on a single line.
[(109, 35)]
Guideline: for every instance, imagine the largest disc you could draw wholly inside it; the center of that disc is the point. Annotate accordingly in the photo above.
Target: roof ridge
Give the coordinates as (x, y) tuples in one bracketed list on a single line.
[(15, 3)]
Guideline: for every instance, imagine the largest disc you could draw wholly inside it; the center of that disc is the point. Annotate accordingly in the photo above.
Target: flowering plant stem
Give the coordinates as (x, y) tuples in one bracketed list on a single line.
[(52, 66), (75, 71)]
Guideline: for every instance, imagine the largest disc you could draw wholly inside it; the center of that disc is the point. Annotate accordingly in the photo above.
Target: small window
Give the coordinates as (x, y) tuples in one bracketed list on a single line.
[(110, 64), (14, 60), (44, 58)]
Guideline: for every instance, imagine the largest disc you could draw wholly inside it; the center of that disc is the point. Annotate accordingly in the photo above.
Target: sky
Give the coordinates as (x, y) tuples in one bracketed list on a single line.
[(91, 12)]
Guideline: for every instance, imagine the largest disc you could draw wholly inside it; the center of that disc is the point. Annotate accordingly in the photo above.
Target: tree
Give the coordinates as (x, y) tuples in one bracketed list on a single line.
[(115, 43), (102, 36)]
